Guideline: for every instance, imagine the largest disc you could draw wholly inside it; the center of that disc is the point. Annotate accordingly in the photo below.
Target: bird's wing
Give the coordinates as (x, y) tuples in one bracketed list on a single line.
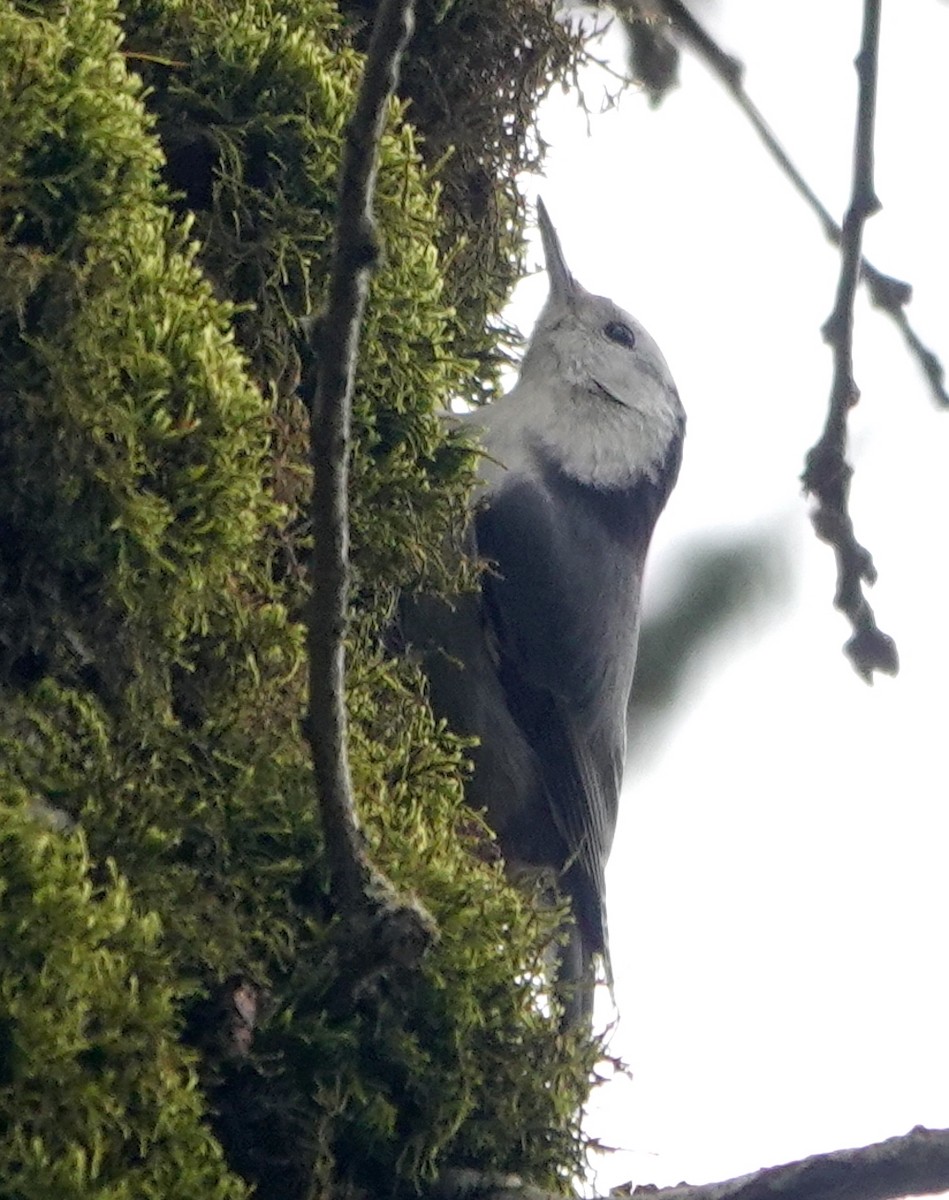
[(560, 600)]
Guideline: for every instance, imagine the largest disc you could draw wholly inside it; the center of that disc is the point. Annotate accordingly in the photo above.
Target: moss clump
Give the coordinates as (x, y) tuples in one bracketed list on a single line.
[(152, 484), (252, 115), (98, 1097), (133, 443), (474, 75)]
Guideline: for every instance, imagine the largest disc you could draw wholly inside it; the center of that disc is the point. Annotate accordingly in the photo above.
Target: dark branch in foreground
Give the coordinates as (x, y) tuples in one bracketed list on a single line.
[(396, 930), (827, 473), (887, 293), (916, 1164)]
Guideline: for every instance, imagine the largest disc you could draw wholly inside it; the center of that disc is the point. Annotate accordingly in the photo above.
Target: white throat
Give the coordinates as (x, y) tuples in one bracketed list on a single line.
[(593, 439)]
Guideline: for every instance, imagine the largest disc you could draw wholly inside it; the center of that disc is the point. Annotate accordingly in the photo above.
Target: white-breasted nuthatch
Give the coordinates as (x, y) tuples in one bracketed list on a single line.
[(580, 458)]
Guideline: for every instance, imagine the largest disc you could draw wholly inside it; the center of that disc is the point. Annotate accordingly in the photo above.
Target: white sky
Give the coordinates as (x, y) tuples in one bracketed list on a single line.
[(778, 890)]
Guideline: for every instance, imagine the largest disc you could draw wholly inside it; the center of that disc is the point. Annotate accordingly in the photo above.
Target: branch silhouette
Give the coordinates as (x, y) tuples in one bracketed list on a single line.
[(390, 928), (916, 1164), (827, 473), (886, 292)]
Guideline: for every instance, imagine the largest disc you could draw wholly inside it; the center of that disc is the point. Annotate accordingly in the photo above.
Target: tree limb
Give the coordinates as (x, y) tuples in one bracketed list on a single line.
[(916, 1164), (827, 473), (397, 929), (887, 293)]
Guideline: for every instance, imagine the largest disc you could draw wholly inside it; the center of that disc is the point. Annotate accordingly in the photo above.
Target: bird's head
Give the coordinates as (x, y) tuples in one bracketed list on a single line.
[(614, 411)]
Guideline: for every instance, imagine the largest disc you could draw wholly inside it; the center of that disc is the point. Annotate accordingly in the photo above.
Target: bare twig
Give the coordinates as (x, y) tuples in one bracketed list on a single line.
[(916, 1164), (398, 929), (887, 293), (827, 473)]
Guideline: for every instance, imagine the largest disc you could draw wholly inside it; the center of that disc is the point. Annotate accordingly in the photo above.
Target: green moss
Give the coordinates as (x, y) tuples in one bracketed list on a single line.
[(97, 1096), (473, 76), (155, 251), (252, 119)]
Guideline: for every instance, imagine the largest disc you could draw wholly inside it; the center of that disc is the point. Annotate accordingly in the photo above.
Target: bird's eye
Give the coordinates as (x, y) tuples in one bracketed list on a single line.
[(617, 332)]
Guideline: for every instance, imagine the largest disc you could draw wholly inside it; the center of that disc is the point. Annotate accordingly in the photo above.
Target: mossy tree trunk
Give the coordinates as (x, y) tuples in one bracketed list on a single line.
[(168, 194)]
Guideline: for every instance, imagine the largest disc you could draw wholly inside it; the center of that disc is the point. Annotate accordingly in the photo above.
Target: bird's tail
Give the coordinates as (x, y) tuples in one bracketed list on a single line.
[(576, 978), (577, 959)]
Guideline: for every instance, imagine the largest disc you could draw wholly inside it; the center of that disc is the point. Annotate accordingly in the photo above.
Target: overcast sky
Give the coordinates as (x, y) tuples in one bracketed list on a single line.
[(778, 891)]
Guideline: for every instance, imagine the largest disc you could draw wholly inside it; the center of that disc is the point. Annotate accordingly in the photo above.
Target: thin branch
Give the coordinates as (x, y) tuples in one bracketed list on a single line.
[(916, 1164), (887, 293), (827, 473), (399, 928)]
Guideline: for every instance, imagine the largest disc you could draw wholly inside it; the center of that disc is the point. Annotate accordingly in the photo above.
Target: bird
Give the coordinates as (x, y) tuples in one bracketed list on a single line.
[(576, 463)]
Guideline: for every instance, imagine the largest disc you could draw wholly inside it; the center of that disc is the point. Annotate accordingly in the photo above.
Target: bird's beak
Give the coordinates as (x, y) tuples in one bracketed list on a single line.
[(562, 283)]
